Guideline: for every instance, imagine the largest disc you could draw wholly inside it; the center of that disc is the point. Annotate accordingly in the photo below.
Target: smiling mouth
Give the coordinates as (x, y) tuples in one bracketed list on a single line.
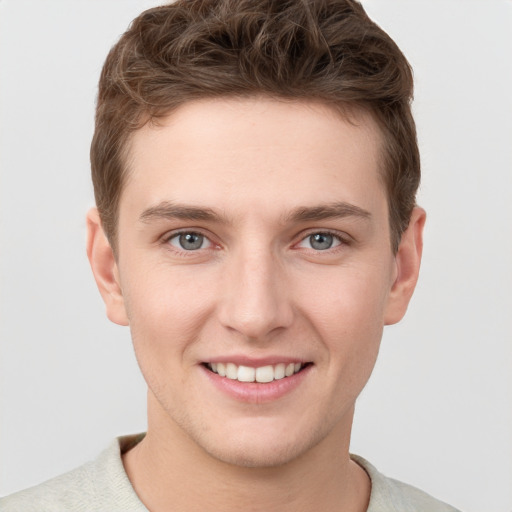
[(262, 374)]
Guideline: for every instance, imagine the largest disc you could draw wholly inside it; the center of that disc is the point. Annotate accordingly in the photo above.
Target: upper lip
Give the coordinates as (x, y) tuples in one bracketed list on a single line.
[(255, 362)]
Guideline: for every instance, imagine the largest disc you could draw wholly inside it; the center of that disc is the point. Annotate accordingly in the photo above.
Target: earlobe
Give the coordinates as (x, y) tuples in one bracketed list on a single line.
[(407, 260), (104, 268)]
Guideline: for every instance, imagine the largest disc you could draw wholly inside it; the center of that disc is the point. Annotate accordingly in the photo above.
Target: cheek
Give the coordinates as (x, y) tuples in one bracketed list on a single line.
[(344, 297), (166, 308), (347, 311)]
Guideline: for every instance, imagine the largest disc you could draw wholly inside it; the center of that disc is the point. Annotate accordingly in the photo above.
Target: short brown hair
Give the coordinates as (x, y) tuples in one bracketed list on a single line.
[(324, 50)]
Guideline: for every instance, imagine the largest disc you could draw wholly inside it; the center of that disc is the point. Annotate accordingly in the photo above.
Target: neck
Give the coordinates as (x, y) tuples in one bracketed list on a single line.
[(169, 470)]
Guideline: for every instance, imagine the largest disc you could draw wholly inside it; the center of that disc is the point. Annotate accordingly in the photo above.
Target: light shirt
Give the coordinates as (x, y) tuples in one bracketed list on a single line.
[(102, 485)]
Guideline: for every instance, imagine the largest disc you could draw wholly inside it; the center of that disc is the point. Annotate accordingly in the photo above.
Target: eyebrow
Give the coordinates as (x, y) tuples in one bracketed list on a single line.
[(337, 210), (169, 210)]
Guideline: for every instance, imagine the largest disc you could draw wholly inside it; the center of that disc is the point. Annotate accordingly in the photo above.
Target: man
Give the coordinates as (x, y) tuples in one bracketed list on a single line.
[(255, 168)]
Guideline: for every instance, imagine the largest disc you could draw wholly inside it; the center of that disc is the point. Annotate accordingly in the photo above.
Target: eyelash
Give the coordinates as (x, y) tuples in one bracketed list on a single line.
[(183, 252), (342, 239)]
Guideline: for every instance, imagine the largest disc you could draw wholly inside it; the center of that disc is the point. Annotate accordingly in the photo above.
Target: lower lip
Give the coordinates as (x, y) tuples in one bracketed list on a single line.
[(256, 392)]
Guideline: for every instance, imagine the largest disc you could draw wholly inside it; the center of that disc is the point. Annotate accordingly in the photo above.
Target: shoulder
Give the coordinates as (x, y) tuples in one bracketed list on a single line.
[(389, 495), (60, 493), (101, 484)]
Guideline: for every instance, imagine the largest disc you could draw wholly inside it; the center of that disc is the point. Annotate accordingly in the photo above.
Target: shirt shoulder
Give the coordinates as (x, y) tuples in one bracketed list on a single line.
[(100, 485), (389, 495)]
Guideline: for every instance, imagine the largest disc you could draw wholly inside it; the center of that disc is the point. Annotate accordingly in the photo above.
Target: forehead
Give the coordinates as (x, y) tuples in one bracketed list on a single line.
[(258, 152)]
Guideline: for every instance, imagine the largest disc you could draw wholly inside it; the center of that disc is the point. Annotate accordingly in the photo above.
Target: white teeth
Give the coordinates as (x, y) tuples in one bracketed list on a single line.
[(221, 369), (261, 374), (265, 374), (231, 371), (246, 374), (279, 371)]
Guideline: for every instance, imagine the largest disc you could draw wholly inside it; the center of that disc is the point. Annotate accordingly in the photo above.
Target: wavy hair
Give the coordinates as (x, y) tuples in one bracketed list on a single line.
[(324, 50)]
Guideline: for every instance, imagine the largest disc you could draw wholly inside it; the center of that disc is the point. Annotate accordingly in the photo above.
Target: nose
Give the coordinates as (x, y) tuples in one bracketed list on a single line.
[(256, 300)]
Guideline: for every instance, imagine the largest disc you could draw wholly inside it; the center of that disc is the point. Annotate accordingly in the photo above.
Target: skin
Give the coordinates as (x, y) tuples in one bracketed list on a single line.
[(255, 288)]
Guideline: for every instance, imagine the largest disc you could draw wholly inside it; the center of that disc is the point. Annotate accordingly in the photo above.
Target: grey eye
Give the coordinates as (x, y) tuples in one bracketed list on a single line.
[(320, 241), (189, 241)]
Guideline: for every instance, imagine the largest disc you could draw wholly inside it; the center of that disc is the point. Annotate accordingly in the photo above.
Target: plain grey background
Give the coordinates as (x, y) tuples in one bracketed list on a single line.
[(437, 412)]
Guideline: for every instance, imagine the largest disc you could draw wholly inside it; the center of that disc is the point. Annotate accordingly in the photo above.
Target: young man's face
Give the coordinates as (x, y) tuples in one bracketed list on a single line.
[(254, 236)]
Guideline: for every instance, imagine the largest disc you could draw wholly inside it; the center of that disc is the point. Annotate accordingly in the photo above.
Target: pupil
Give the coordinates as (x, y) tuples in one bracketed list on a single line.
[(190, 241), (321, 241)]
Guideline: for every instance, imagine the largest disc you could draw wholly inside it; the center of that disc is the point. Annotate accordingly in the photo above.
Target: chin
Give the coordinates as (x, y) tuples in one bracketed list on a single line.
[(259, 451), (255, 456)]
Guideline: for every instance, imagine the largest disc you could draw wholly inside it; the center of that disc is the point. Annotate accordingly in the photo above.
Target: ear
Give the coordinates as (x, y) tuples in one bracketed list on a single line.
[(407, 261), (104, 267)]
